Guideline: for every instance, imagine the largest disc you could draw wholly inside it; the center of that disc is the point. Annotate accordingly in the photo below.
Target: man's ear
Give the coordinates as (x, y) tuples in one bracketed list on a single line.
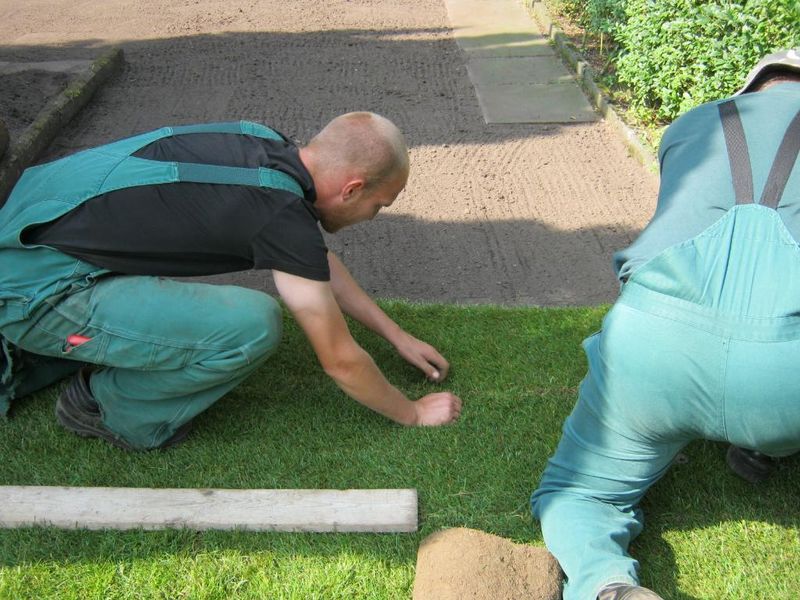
[(352, 189)]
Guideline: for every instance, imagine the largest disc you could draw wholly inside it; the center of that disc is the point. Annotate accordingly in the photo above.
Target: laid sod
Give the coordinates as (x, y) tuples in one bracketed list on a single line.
[(708, 536)]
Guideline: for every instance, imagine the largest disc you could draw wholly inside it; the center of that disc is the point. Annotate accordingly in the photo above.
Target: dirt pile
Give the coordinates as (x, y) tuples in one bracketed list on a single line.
[(461, 564)]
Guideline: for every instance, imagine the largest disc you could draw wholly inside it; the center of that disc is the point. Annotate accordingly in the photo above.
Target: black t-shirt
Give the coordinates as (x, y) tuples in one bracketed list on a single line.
[(185, 229)]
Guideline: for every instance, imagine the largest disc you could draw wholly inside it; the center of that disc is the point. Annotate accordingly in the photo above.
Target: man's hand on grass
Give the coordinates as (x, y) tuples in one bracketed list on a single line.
[(423, 356), (439, 408)]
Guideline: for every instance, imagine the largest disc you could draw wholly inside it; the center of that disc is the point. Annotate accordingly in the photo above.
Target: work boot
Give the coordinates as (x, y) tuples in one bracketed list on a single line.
[(750, 465), (626, 591), (78, 411)]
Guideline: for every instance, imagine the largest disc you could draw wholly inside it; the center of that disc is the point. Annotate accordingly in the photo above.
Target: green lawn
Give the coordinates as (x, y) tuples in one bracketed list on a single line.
[(709, 535)]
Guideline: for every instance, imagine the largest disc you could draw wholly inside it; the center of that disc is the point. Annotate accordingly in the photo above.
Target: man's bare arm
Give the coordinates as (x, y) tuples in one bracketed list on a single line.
[(313, 305), (356, 303)]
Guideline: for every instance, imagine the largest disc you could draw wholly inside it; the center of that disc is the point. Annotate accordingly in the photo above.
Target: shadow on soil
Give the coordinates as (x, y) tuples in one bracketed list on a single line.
[(293, 81), (515, 262), (298, 81)]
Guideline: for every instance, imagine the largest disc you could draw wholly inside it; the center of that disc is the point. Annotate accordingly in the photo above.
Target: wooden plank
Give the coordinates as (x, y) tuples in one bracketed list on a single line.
[(201, 509)]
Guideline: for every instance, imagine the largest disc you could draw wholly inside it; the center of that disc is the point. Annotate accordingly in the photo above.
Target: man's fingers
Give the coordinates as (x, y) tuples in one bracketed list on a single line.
[(436, 372), (443, 371), (438, 366), (432, 370), (426, 358)]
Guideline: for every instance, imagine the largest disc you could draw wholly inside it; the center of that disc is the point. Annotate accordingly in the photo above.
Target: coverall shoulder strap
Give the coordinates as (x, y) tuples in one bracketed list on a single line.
[(261, 177), (738, 154), (783, 164), (237, 127)]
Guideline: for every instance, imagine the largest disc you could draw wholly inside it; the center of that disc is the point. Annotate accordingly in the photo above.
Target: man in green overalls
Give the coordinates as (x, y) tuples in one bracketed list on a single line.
[(87, 244), (703, 340)]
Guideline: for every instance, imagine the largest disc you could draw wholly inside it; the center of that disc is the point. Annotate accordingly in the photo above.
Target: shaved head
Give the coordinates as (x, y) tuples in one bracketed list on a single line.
[(363, 144)]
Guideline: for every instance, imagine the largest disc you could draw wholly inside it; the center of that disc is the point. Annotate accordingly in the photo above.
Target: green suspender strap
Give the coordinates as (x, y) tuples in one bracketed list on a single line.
[(240, 127), (135, 171), (261, 177)]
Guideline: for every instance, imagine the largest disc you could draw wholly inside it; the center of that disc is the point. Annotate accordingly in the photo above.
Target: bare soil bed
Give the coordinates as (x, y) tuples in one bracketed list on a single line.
[(511, 214)]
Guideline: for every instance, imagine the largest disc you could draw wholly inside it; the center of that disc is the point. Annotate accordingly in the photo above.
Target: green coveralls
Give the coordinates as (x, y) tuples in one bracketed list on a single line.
[(169, 349), (703, 343)]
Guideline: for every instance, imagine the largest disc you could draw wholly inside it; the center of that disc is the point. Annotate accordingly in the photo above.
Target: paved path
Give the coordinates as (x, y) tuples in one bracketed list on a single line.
[(506, 213), (517, 76)]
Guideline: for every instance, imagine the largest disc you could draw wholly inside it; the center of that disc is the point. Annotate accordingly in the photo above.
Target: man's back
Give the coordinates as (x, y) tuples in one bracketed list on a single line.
[(193, 228), (696, 185)]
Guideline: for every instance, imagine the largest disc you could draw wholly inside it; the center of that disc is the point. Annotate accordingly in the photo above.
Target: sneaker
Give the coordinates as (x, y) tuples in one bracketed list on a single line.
[(79, 412), (626, 591), (750, 465)]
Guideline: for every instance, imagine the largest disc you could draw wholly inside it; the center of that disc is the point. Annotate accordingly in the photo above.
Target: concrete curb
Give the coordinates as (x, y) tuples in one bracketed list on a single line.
[(57, 113), (585, 75)]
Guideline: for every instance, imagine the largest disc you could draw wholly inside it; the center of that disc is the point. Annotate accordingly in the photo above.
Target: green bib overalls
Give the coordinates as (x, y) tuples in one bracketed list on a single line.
[(171, 348), (703, 343)]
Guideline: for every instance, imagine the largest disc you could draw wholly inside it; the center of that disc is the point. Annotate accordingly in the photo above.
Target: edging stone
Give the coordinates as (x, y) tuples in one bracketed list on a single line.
[(58, 112)]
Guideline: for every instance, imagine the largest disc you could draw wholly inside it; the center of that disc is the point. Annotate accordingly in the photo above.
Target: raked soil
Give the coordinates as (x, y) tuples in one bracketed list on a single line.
[(508, 214)]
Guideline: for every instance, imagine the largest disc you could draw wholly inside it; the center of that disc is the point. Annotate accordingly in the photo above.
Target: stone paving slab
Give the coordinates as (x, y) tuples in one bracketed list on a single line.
[(554, 103), (486, 14), (515, 69), (498, 45), (516, 74)]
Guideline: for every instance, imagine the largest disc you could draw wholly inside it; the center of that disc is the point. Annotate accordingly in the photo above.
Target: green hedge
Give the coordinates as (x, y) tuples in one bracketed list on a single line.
[(676, 54)]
